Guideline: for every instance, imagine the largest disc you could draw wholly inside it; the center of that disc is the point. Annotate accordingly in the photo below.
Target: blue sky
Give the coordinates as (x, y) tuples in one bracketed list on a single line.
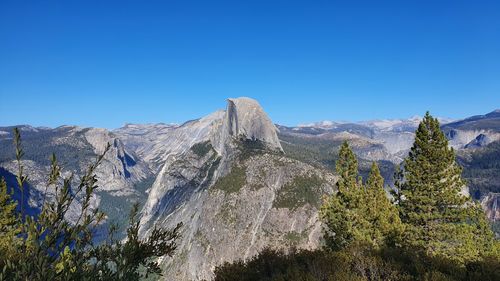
[(105, 63)]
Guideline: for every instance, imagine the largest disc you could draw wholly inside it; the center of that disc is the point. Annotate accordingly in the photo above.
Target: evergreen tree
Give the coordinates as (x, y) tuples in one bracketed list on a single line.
[(382, 215), (8, 217), (8, 222), (342, 212), (438, 217), (359, 213), (347, 168)]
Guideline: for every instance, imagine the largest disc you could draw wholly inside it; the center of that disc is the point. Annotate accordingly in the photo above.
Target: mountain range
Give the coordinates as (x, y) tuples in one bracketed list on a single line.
[(238, 182)]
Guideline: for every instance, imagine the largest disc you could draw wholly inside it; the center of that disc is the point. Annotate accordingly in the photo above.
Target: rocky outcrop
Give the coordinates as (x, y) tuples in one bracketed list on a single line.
[(120, 169), (148, 141), (245, 118), (460, 139), (225, 176), (480, 141), (491, 206)]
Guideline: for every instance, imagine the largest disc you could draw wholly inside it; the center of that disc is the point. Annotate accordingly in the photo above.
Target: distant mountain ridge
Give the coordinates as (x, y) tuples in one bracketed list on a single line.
[(400, 125)]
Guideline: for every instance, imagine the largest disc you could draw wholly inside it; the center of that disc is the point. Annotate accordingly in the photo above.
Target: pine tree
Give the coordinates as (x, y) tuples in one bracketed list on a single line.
[(382, 215), (9, 227), (347, 168), (438, 217), (341, 212), (358, 213), (7, 209)]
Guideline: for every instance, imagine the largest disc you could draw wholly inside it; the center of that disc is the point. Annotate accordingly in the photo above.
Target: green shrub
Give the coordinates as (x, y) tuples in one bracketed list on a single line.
[(300, 191), (358, 262), (201, 149), (45, 246), (232, 182)]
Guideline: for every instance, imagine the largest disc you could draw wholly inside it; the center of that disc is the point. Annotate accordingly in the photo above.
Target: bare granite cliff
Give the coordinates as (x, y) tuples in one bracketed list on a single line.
[(245, 118), (235, 191)]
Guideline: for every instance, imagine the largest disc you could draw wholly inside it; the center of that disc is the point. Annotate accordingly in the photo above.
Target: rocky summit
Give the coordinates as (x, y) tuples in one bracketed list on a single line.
[(233, 188), (245, 117)]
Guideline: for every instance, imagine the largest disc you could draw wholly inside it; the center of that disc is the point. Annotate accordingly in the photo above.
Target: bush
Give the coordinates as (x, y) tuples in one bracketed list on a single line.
[(46, 246), (357, 262), (300, 191), (232, 182)]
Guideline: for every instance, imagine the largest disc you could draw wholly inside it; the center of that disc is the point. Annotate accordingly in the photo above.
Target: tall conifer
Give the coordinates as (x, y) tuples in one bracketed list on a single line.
[(339, 211), (439, 218), (9, 227), (382, 215)]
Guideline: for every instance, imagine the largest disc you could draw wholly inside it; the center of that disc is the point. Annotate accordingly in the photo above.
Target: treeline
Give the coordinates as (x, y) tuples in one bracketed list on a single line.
[(48, 246), (482, 169), (429, 229)]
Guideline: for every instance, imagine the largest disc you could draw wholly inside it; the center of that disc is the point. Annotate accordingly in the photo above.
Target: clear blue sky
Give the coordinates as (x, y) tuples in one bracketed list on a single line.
[(105, 63)]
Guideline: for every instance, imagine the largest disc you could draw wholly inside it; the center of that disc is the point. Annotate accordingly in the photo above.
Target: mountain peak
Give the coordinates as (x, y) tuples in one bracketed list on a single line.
[(245, 117)]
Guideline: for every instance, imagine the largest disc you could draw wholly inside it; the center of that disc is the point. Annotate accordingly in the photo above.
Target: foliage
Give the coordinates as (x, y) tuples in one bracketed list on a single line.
[(438, 218), (357, 212), (347, 168), (300, 191), (135, 258), (341, 212), (481, 169), (381, 214), (314, 151), (359, 262), (232, 182), (9, 229), (323, 153), (201, 149), (49, 247)]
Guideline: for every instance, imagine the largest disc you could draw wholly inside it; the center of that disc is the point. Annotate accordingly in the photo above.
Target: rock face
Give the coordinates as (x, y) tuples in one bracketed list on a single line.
[(475, 131), (150, 142), (460, 139), (245, 118), (120, 169), (480, 141), (179, 169), (75, 148), (266, 200), (491, 205), (235, 192)]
